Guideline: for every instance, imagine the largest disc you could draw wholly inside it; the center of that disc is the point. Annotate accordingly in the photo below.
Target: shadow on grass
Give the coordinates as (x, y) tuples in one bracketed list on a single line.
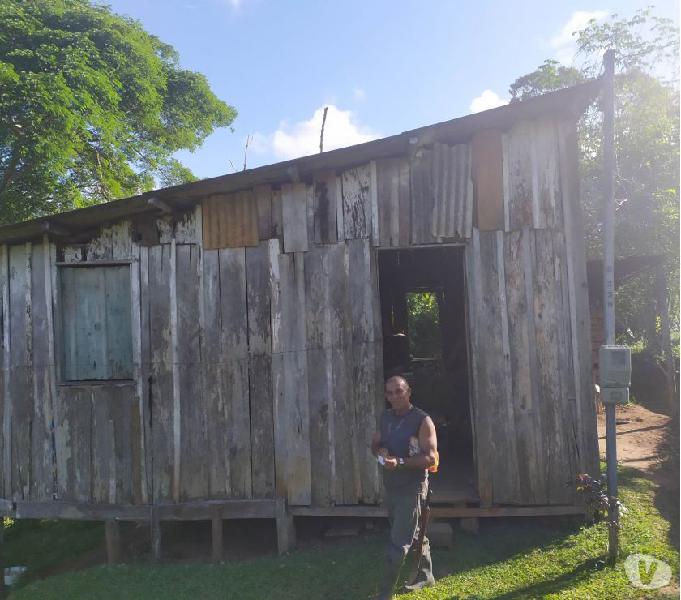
[(502, 539), (544, 588)]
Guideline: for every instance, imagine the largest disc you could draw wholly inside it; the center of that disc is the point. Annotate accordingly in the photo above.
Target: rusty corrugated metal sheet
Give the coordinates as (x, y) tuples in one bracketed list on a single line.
[(229, 221)]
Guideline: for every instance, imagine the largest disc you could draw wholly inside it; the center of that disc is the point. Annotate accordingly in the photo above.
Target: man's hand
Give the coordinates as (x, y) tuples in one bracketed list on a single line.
[(390, 463)]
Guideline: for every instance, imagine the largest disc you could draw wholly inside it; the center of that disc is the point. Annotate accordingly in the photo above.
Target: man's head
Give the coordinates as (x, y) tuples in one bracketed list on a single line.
[(398, 393)]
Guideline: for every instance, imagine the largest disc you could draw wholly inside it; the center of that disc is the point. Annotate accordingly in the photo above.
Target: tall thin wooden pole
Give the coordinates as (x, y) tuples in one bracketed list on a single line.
[(609, 288)]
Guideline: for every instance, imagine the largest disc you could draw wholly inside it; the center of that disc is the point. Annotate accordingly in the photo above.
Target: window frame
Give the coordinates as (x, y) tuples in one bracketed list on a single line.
[(59, 322)]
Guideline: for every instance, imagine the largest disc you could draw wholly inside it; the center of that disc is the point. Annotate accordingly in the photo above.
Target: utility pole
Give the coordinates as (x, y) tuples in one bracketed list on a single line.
[(609, 288)]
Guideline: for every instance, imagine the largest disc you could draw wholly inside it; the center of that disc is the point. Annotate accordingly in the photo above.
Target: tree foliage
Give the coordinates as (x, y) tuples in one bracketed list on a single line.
[(424, 324), (92, 108), (646, 142)]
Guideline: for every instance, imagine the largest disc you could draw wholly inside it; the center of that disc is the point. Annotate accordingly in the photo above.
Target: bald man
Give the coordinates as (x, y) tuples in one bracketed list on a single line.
[(406, 447)]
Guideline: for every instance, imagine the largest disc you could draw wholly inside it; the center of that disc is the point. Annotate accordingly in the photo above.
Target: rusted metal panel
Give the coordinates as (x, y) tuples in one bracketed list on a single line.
[(487, 174), (230, 220)]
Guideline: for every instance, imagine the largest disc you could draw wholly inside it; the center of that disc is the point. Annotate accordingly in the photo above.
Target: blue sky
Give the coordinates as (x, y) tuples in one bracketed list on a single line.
[(382, 66)]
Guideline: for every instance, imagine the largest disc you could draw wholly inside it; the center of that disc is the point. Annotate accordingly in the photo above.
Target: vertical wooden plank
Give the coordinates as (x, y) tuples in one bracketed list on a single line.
[(519, 345), (340, 210), (277, 215), (121, 241), (356, 191), (174, 374), (101, 246), (138, 281), (194, 466), (73, 439), (387, 198), (480, 414), (405, 202), (539, 489), (578, 297), (161, 400), (521, 180), (506, 409), (263, 200), (20, 373), (112, 443), (294, 214), (187, 230), (259, 282), (548, 185), (546, 318), (234, 349), (492, 381), (325, 197), (373, 203), (319, 367), (345, 444), (212, 390), (363, 282), (289, 376), (41, 441)]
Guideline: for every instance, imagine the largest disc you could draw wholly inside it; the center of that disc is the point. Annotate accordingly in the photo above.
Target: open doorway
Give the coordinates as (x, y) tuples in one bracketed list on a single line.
[(423, 313)]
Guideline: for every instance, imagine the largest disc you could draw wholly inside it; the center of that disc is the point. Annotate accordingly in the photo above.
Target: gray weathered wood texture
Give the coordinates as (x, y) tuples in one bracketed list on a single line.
[(252, 332)]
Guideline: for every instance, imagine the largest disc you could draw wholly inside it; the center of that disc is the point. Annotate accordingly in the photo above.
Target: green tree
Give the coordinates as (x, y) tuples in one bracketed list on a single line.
[(647, 148), (92, 108)]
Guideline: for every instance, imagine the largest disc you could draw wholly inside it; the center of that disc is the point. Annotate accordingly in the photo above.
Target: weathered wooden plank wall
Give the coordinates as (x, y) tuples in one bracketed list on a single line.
[(522, 318), (257, 343)]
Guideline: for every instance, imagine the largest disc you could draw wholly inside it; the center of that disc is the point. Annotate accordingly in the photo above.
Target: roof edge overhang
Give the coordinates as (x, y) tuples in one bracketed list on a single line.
[(568, 103)]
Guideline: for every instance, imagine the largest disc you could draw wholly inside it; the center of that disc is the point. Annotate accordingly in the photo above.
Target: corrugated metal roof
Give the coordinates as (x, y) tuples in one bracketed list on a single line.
[(569, 102)]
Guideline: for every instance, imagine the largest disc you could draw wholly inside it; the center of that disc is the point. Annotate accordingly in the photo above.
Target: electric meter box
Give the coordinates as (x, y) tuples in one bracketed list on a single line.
[(614, 366), (610, 395)]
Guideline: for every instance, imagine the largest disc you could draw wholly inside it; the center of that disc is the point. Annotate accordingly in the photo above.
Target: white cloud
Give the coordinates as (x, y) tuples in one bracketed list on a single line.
[(233, 4), (488, 99), (563, 43), (359, 94), (301, 139)]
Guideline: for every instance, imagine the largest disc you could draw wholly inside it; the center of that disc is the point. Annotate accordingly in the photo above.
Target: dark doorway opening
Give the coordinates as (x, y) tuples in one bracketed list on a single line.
[(423, 312)]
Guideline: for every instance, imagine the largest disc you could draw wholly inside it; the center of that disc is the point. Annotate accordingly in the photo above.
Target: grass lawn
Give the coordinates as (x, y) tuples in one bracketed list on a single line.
[(511, 558)]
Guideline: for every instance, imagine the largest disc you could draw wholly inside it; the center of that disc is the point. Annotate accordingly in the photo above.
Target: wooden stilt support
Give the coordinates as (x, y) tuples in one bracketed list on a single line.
[(216, 537), (286, 532), (470, 524), (155, 535), (112, 533)]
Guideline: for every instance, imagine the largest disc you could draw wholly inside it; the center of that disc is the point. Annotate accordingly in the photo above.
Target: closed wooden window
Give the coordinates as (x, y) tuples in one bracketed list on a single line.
[(96, 323)]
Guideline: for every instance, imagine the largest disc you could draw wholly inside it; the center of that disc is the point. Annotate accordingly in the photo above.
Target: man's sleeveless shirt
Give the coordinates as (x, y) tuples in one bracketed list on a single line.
[(400, 436)]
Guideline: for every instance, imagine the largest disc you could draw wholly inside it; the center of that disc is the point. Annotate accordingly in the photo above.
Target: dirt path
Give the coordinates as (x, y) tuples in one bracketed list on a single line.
[(639, 435)]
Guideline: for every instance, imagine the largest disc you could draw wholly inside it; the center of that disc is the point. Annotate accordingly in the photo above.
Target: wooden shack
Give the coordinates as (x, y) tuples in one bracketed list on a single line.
[(216, 350)]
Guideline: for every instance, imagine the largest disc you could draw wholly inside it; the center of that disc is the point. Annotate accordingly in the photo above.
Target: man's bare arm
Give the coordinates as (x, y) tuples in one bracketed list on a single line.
[(428, 444)]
